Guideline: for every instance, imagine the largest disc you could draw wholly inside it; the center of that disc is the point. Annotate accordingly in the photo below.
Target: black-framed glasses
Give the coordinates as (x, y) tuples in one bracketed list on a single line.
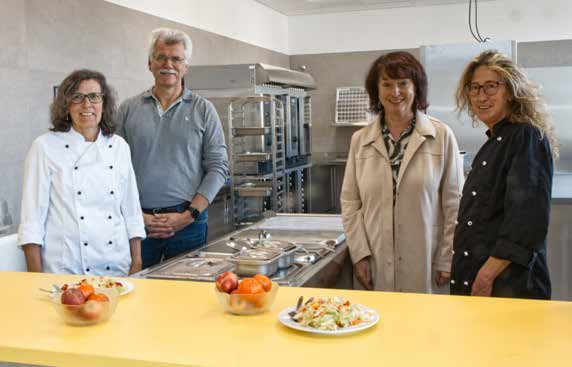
[(78, 98), (175, 60), (490, 88)]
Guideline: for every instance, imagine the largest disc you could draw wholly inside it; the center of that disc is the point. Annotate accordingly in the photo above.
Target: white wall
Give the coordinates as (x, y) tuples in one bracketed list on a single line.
[(243, 20), (521, 20)]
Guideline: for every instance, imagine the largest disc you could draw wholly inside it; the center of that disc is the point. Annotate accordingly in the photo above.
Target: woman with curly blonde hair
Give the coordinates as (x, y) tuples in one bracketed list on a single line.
[(499, 247)]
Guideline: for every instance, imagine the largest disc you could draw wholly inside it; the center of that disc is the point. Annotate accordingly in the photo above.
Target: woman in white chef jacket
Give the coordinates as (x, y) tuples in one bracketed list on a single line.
[(80, 203)]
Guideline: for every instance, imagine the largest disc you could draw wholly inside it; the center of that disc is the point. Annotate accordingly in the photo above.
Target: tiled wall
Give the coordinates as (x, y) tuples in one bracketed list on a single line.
[(43, 41), (331, 71), (350, 68)]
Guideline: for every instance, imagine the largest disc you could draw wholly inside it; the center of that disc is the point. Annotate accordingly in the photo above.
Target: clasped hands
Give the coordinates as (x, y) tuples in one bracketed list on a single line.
[(165, 225)]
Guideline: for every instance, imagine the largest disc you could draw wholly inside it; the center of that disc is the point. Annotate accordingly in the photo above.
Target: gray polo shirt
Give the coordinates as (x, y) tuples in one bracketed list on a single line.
[(176, 153)]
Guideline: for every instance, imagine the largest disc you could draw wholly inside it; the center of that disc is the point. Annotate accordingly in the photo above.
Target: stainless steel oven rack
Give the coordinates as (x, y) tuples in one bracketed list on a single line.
[(257, 157)]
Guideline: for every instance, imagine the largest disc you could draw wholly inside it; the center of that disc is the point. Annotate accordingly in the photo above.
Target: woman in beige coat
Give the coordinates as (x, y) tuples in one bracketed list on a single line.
[(402, 185)]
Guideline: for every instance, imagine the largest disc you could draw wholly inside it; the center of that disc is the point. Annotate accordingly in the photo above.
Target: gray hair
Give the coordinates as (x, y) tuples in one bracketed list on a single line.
[(171, 37)]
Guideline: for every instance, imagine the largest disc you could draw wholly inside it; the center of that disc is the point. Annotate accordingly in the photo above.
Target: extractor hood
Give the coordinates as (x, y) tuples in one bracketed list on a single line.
[(246, 76)]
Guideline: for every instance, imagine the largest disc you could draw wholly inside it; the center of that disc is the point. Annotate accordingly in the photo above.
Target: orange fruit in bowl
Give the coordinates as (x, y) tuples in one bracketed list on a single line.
[(265, 281), (99, 297), (86, 289), (250, 286)]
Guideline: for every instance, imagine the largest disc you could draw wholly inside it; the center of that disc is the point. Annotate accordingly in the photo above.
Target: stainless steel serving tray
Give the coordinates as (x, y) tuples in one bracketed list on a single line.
[(193, 268), (254, 191), (287, 249), (250, 131), (299, 236), (253, 156), (254, 261)]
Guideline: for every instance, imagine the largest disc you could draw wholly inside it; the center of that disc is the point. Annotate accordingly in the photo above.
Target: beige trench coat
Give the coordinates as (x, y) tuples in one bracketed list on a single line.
[(423, 221)]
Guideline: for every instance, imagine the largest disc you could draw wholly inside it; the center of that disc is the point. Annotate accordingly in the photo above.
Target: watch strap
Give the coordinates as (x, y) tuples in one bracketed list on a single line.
[(195, 213)]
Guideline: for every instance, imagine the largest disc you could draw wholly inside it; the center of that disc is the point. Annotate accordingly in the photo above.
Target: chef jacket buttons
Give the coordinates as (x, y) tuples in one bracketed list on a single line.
[(107, 268), (87, 270), (456, 222), (75, 168), (465, 283), (81, 217), (452, 281), (470, 223), (466, 253), (79, 192), (67, 145), (453, 252), (110, 167), (484, 163), (474, 193), (111, 192), (111, 146), (85, 243), (109, 217), (110, 242), (499, 138)]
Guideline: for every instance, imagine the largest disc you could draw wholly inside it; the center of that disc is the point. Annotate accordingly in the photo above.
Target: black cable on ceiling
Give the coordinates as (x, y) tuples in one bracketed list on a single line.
[(477, 24), (476, 36)]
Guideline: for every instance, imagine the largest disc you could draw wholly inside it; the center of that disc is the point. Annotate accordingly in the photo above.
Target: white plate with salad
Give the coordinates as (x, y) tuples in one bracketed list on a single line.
[(329, 316), (122, 286)]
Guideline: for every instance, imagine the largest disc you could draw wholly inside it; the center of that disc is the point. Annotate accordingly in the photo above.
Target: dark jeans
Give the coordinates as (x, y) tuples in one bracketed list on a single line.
[(154, 250)]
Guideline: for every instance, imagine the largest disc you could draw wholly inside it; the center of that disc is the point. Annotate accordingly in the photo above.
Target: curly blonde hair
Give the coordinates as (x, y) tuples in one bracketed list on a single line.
[(526, 105)]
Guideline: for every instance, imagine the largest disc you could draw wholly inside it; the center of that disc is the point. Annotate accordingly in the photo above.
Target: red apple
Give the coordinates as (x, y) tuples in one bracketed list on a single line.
[(227, 282), (92, 310), (72, 296)]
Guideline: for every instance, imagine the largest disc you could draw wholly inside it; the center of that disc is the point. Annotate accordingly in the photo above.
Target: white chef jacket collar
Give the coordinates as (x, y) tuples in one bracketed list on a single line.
[(75, 137)]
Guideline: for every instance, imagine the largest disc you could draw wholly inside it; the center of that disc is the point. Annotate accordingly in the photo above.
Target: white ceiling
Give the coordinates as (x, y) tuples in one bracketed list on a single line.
[(302, 7)]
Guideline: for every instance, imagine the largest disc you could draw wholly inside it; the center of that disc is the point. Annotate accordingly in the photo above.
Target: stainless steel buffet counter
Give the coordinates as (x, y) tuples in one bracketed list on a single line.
[(318, 260)]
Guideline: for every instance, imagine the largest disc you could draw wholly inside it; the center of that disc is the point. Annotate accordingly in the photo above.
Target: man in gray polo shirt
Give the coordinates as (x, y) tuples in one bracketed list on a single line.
[(178, 149)]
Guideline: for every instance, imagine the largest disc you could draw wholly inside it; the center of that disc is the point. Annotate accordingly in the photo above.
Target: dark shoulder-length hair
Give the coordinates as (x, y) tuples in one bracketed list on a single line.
[(59, 110), (397, 65)]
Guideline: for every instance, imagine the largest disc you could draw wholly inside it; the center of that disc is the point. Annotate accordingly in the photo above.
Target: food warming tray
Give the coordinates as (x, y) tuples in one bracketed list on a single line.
[(195, 268), (255, 261), (287, 249)]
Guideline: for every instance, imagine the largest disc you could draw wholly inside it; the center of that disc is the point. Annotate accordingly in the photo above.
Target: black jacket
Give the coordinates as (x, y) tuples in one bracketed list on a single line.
[(504, 212)]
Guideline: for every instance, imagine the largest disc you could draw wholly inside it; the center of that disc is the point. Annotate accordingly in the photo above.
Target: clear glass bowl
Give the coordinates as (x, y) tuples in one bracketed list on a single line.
[(89, 313), (247, 304)]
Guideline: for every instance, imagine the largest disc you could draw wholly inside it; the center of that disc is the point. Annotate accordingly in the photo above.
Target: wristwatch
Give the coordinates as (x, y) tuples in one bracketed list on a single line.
[(195, 213)]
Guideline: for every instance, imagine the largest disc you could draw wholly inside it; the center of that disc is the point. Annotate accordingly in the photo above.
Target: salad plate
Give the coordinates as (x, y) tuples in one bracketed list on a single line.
[(128, 287), (122, 286), (372, 319)]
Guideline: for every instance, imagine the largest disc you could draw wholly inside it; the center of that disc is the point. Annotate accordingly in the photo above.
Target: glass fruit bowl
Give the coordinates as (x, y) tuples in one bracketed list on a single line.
[(247, 304), (88, 313)]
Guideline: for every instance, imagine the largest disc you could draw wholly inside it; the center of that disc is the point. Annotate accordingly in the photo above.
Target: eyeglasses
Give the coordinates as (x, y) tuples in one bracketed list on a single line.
[(490, 88), (175, 60), (78, 98)]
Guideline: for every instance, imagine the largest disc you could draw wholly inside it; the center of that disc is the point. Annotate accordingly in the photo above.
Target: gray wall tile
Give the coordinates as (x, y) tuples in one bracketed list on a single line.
[(13, 33), (41, 44)]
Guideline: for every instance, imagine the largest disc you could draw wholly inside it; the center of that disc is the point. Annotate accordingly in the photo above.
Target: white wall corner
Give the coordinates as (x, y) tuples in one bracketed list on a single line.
[(243, 20)]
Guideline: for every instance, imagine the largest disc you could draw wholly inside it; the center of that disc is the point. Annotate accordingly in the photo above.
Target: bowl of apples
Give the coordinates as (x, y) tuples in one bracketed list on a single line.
[(248, 296), (84, 305)]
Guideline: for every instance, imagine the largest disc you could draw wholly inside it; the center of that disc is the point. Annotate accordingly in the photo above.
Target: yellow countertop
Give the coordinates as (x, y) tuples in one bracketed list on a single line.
[(177, 323)]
